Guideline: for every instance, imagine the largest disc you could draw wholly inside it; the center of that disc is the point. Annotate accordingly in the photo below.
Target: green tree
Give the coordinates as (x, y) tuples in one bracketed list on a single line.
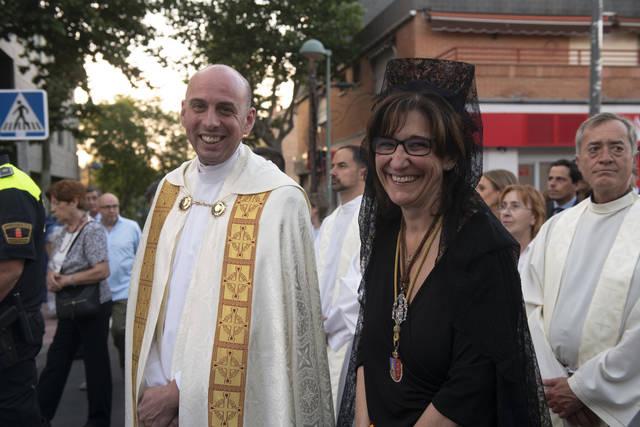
[(59, 35), (261, 39), (128, 138)]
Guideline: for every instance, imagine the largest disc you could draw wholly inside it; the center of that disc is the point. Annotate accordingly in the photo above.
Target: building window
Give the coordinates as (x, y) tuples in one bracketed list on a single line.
[(7, 80)]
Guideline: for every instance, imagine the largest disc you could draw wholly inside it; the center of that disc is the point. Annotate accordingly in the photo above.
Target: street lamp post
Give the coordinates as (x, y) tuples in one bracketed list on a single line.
[(595, 80), (313, 50), (313, 127)]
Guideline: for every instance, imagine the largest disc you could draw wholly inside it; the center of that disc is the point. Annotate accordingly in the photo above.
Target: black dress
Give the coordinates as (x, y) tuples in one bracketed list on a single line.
[(448, 347)]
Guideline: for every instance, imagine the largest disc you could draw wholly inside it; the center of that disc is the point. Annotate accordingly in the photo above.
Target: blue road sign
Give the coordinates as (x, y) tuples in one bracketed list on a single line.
[(23, 115)]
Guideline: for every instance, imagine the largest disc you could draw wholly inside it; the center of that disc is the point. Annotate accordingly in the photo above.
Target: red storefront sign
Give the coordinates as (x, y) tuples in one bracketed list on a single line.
[(535, 129)]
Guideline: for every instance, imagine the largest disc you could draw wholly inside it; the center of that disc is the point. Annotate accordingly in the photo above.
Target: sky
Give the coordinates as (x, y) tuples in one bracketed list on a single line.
[(168, 83)]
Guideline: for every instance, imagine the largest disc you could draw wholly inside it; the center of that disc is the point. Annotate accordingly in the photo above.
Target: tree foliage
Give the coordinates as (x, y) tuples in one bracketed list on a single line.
[(128, 138), (261, 39), (59, 35)]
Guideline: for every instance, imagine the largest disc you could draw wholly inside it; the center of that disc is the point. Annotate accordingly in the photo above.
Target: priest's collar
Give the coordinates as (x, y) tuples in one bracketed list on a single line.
[(215, 172), (613, 206)]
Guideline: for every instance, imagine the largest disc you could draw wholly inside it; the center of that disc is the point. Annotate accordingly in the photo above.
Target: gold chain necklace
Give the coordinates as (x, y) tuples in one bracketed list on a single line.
[(217, 208), (401, 299)]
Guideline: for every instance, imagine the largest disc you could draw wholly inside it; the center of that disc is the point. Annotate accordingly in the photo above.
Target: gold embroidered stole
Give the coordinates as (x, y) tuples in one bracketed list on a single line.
[(227, 378), (164, 203)]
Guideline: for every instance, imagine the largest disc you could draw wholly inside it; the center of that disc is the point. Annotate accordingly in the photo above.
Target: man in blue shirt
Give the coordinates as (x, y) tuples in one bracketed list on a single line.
[(123, 238)]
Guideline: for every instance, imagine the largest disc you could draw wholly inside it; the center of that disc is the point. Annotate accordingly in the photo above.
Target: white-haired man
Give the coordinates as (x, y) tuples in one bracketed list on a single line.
[(583, 283)]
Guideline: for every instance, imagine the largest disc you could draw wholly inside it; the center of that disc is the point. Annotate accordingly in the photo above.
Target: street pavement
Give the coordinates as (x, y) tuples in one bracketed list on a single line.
[(73, 408)]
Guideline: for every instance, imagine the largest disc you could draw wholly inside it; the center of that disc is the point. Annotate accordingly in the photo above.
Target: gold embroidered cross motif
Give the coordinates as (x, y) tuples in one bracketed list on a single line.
[(233, 325), (225, 409), (164, 203), (229, 367), (227, 379), (236, 282), (250, 206), (242, 239)]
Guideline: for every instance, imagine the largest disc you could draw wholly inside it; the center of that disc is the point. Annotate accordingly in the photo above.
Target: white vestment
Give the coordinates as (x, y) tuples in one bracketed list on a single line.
[(287, 380), (582, 286), (337, 243)]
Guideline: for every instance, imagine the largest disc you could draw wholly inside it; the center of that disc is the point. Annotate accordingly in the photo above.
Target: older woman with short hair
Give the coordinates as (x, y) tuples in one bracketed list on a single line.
[(79, 258), (522, 212), (491, 184)]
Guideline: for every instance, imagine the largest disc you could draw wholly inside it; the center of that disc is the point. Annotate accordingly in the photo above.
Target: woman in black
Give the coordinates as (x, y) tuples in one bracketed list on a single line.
[(442, 338)]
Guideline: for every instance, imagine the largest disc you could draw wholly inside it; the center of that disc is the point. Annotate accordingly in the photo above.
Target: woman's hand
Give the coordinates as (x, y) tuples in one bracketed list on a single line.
[(52, 281), (65, 280)]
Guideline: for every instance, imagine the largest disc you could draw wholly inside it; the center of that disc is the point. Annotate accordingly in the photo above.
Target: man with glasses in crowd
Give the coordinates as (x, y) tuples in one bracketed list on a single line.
[(123, 237)]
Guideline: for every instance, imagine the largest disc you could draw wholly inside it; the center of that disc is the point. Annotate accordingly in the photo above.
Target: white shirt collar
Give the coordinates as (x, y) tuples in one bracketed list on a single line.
[(214, 173), (613, 206)]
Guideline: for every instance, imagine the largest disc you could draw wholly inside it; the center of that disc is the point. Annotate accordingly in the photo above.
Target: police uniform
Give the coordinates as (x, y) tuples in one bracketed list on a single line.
[(21, 324)]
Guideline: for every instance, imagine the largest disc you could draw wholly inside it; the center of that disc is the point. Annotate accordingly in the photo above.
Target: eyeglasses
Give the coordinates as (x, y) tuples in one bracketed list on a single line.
[(109, 207), (513, 207), (413, 146)]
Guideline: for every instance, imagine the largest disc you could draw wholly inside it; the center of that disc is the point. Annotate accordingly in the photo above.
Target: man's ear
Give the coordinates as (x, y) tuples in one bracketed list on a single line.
[(363, 173), (250, 120)]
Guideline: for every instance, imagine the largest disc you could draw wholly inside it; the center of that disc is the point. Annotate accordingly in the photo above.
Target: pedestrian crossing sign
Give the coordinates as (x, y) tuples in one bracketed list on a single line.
[(23, 115)]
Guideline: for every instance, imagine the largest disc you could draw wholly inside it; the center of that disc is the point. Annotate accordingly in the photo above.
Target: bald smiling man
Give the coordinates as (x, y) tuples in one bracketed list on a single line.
[(224, 324)]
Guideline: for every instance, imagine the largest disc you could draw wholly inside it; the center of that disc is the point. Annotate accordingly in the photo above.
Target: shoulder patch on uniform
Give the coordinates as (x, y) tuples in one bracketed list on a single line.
[(6, 171), (17, 233)]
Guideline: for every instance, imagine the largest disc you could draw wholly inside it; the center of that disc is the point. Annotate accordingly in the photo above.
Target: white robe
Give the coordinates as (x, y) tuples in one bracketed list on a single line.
[(596, 284), (287, 381), (207, 183), (337, 243)]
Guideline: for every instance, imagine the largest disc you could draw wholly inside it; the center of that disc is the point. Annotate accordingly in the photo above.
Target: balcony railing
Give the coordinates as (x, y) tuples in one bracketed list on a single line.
[(538, 56)]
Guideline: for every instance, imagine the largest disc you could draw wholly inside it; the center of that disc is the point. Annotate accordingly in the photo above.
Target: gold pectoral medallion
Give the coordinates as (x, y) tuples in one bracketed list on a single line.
[(185, 203), (218, 209)]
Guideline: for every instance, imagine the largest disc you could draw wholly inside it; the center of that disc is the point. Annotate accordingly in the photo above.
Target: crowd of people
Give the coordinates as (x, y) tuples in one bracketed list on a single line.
[(435, 294)]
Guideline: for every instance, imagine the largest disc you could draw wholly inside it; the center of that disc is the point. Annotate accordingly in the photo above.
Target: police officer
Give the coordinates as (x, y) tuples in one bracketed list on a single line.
[(22, 278)]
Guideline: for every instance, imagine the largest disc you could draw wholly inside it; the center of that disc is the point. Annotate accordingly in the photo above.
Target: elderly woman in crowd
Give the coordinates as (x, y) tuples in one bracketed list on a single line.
[(491, 185), (442, 337), (78, 261), (522, 212)]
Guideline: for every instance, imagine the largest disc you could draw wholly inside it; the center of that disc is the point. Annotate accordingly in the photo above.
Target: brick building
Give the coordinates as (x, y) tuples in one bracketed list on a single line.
[(532, 67)]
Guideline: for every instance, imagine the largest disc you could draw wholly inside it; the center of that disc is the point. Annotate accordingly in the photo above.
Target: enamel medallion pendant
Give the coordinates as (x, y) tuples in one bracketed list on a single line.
[(185, 203), (395, 369)]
